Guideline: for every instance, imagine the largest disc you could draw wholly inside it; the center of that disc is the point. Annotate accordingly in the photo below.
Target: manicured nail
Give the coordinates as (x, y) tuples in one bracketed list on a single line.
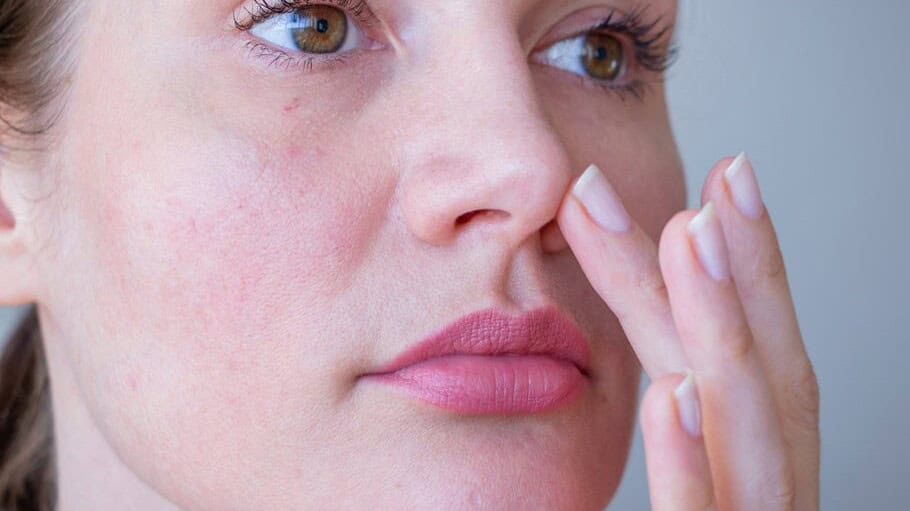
[(687, 405), (708, 238), (601, 201), (740, 177)]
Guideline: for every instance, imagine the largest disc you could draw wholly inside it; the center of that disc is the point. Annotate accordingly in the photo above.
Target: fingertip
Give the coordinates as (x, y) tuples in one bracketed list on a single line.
[(674, 250), (679, 474), (569, 216), (657, 406), (714, 181)]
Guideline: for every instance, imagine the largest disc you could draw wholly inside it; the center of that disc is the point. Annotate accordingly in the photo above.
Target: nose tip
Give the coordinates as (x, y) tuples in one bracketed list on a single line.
[(509, 190)]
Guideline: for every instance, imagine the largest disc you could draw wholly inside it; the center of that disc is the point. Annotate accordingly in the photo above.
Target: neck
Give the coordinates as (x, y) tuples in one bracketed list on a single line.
[(90, 474)]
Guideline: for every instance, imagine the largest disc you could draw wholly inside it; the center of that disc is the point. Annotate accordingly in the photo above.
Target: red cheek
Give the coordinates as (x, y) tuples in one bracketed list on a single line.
[(132, 381), (296, 155)]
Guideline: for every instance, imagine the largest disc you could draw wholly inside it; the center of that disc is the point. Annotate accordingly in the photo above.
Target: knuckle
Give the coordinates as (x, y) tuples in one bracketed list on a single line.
[(801, 398), (768, 266), (782, 497), (705, 500), (778, 490), (736, 342), (652, 285)]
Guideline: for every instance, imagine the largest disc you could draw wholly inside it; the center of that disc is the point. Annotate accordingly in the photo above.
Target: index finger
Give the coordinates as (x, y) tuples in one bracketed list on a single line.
[(621, 262)]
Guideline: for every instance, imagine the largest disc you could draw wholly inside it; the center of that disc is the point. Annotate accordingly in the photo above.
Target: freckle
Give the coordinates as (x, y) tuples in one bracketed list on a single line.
[(131, 381), (293, 105)]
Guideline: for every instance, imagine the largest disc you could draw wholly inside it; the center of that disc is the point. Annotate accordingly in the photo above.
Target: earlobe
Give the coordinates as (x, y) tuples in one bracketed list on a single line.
[(13, 279)]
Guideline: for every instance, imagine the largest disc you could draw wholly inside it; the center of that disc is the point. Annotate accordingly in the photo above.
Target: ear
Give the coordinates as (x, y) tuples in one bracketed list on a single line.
[(16, 277)]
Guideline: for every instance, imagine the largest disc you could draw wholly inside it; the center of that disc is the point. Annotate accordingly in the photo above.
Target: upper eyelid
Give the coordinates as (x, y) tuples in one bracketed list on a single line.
[(251, 12), (648, 33)]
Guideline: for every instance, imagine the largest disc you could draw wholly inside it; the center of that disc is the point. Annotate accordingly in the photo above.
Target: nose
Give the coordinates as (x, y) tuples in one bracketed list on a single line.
[(480, 157)]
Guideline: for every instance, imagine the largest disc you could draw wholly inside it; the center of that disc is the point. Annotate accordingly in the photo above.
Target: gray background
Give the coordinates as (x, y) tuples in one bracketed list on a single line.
[(816, 92)]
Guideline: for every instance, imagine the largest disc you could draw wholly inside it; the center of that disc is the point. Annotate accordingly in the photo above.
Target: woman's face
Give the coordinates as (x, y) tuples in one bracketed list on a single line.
[(236, 234)]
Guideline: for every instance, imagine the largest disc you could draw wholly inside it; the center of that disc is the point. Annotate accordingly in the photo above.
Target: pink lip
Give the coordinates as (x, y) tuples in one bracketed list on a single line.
[(490, 362)]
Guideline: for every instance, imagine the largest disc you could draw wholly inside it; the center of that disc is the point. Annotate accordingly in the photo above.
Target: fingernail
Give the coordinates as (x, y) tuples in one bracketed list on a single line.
[(687, 405), (708, 238), (601, 200), (740, 177)]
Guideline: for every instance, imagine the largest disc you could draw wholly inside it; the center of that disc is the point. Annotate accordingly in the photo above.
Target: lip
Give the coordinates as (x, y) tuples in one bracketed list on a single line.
[(492, 362)]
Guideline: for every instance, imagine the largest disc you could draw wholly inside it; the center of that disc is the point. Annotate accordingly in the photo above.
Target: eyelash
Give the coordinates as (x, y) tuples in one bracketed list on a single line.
[(645, 37), (265, 9), (649, 47)]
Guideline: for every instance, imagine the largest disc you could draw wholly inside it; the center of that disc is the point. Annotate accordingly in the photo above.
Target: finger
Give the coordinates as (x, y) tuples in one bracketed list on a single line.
[(758, 270), (742, 432), (679, 477), (621, 262)]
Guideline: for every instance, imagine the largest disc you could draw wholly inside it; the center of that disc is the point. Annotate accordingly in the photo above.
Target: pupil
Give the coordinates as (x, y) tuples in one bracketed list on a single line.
[(322, 25), (601, 53)]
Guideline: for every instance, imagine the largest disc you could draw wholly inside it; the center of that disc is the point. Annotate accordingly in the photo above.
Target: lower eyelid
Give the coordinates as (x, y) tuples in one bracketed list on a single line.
[(276, 61), (592, 84)]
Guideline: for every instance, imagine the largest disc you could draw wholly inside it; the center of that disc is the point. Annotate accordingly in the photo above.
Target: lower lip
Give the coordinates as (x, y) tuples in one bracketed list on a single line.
[(487, 384)]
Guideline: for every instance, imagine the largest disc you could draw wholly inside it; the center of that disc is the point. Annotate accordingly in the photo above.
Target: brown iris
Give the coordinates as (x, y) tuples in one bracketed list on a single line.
[(603, 57), (319, 28)]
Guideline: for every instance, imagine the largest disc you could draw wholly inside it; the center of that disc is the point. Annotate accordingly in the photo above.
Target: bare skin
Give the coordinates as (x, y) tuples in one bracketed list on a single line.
[(222, 245)]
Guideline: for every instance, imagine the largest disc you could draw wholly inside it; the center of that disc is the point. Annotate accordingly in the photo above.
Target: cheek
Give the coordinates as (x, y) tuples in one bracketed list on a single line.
[(208, 271), (209, 256), (213, 235)]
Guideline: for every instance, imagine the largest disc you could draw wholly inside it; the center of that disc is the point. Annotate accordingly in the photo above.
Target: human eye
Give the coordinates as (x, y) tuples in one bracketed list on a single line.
[(623, 53), (301, 33)]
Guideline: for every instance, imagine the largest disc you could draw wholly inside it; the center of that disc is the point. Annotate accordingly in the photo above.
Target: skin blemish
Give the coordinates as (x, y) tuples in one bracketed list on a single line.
[(293, 105), (132, 381)]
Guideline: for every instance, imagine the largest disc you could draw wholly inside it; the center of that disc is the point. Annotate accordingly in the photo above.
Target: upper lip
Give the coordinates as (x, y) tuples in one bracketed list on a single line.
[(543, 331)]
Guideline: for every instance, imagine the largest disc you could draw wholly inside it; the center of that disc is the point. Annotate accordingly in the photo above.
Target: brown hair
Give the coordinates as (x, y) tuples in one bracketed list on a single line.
[(27, 475), (34, 49)]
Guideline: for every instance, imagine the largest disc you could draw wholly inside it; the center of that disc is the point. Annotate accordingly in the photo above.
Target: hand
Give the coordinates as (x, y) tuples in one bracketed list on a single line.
[(738, 430)]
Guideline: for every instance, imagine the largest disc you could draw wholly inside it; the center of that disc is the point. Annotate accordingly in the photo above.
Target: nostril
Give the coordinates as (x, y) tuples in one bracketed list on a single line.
[(467, 217)]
